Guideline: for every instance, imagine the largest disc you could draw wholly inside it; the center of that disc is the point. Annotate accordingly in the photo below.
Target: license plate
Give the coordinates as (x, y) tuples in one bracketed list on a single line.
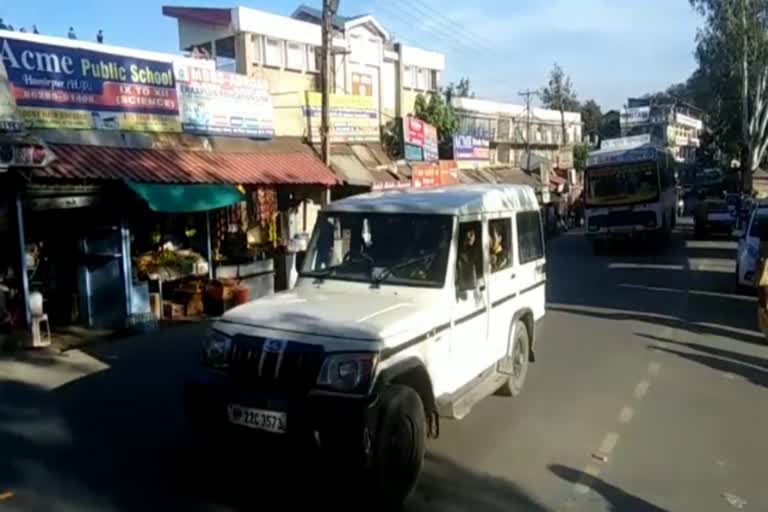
[(258, 419)]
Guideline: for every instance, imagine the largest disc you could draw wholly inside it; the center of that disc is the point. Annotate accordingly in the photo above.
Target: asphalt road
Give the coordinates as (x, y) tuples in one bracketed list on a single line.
[(649, 394)]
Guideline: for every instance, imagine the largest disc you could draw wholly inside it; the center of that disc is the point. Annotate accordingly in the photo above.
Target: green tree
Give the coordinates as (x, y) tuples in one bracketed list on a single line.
[(610, 125), (560, 95), (732, 54), (437, 112), (580, 153), (591, 117)]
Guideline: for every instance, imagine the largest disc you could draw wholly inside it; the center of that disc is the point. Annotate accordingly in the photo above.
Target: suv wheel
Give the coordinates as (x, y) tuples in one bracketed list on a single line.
[(399, 445), (519, 361)]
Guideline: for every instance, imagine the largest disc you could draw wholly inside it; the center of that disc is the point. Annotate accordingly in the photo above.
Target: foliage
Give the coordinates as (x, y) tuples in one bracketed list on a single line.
[(560, 95), (391, 137), (610, 125), (580, 153), (732, 54), (591, 117), (437, 112)]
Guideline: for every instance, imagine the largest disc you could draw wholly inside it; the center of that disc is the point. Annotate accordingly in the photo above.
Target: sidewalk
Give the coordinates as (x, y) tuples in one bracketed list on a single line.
[(47, 369)]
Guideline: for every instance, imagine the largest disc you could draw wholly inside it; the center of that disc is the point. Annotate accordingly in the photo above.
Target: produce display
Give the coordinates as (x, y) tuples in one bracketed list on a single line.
[(170, 264)]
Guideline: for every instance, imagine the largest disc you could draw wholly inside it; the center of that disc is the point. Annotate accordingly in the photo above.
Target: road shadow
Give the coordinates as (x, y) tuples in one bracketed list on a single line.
[(617, 499), (753, 369)]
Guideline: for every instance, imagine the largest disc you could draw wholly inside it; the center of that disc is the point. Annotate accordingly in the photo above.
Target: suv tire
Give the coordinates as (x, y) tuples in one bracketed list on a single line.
[(399, 445), (521, 355)]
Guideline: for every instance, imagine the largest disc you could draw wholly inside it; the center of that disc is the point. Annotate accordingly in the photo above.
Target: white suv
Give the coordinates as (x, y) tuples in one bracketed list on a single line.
[(410, 306)]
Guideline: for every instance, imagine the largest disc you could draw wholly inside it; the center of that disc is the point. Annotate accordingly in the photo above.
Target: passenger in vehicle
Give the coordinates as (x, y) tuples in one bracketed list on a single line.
[(498, 254), (469, 263)]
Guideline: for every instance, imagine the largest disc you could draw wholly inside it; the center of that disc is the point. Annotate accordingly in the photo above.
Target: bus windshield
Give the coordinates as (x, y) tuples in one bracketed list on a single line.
[(624, 184)]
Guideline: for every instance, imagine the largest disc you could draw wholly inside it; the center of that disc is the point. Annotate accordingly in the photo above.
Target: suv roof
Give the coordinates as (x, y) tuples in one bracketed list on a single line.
[(450, 200)]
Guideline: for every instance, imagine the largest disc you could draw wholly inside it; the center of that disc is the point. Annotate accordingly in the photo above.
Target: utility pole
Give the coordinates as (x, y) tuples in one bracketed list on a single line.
[(329, 11), (527, 95)]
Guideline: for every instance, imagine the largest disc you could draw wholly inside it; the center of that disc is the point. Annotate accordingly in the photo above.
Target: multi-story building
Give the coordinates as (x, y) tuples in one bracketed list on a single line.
[(506, 127), (675, 124), (285, 50)]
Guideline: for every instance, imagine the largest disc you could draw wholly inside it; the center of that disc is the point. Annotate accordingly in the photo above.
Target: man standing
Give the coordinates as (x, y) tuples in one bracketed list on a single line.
[(100, 37), (71, 33)]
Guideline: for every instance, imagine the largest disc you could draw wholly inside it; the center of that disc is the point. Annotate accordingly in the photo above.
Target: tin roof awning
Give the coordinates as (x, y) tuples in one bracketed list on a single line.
[(76, 161)]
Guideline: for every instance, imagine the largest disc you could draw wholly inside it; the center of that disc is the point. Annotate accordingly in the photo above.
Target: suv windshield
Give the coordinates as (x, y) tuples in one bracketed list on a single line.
[(624, 184), (401, 248)]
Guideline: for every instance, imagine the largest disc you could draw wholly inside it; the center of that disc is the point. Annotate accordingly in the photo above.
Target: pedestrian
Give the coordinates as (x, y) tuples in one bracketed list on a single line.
[(34, 29), (100, 37), (10, 27), (22, 29), (71, 33), (3, 26)]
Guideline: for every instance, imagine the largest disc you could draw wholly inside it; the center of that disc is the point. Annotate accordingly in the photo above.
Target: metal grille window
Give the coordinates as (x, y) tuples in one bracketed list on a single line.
[(529, 236)]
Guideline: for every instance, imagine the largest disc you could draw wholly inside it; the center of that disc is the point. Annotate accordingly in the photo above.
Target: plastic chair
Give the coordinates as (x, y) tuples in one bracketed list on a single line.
[(38, 318)]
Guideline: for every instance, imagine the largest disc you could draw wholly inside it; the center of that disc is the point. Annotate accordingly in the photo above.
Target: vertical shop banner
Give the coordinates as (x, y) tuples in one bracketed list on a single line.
[(219, 103), (353, 118), (79, 89), (420, 135), (467, 147)]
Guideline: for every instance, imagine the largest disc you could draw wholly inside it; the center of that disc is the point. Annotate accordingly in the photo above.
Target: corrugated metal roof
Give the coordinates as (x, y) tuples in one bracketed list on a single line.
[(77, 161)]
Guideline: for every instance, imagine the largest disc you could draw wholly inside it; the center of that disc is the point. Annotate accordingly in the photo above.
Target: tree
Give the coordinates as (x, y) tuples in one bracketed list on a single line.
[(580, 153), (591, 117), (610, 125), (732, 53), (559, 95), (458, 90), (440, 114)]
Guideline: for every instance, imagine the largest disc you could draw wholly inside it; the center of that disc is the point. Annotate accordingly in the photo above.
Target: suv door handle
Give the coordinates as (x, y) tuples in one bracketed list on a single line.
[(512, 276)]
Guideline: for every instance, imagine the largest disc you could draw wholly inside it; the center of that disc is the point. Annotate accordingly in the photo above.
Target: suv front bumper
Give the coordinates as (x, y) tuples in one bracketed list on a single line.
[(207, 396)]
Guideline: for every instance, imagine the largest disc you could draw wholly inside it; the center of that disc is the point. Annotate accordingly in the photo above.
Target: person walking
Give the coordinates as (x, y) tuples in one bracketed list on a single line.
[(34, 29), (71, 34), (100, 37)]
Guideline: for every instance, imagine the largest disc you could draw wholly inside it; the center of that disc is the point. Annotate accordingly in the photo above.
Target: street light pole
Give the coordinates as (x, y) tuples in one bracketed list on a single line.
[(329, 11)]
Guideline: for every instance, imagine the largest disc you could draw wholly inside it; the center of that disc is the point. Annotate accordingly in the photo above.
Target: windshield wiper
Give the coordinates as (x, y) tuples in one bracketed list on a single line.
[(347, 260), (388, 271)]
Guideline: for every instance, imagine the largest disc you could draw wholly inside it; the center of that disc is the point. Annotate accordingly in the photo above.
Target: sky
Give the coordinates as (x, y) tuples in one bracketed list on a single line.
[(611, 49)]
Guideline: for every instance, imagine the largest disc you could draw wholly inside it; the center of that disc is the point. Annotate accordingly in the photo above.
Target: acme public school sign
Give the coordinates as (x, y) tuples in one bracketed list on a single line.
[(76, 88)]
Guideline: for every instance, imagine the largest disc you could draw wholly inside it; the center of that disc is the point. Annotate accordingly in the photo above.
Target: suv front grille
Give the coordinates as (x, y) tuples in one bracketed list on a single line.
[(274, 365)]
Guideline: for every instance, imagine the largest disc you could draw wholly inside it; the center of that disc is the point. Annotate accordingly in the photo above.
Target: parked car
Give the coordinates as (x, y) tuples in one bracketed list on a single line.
[(748, 250), (715, 215), (411, 306)]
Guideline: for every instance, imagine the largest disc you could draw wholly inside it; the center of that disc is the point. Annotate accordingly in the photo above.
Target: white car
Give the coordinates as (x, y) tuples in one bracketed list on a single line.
[(748, 252), (411, 306)]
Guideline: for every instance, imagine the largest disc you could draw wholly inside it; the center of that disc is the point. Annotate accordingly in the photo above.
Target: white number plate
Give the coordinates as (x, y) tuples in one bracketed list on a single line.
[(259, 419)]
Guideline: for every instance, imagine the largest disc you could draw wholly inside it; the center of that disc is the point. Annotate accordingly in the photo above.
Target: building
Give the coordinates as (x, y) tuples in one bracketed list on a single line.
[(504, 128), (675, 124), (285, 51)]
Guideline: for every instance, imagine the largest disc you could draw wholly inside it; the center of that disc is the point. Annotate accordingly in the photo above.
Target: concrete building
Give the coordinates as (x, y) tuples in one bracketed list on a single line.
[(675, 124), (285, 50), (505, 126)]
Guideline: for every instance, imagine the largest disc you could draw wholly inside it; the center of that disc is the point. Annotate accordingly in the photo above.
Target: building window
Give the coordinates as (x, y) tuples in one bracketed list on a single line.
[(273, 55), (225, 55), (408, 77), (314, 59), (421, 79), (294, 56), (258, 48), (434, 79)]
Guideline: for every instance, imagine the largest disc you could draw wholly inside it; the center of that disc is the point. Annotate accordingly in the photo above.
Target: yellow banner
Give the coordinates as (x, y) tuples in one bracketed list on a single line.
[(89, 120), (353, 118)]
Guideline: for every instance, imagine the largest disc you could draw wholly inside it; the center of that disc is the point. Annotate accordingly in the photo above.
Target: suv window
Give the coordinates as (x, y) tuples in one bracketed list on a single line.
[(500, 231), (529, 237), (469, 260)]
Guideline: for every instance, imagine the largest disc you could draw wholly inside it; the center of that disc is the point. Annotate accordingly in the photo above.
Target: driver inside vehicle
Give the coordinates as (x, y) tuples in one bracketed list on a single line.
[(497, 251)]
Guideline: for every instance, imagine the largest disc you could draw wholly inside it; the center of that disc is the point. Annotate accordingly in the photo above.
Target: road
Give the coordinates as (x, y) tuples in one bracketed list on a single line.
[(649, 393)]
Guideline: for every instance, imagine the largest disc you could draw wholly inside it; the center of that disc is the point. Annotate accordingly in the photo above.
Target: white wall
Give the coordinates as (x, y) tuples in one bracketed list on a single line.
[(422, 58), (192, 33), (273, 25), (388, 89)]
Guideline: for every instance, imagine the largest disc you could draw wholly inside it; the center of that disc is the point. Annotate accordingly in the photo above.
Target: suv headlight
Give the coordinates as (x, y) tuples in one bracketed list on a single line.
[(347, 372), (216, 349)]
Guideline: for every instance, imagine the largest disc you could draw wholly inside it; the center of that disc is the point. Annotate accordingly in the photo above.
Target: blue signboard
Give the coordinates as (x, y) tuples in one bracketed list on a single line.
[(467, 147), (622, 157), (74, 88)]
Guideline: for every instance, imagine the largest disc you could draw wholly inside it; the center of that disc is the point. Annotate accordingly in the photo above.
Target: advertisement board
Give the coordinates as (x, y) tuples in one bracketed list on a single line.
[(78, 89), (689, 121), (353, 118), (435, 174), (420, 134), (636, 115), (9, 119), (219, 103), (467, 147)]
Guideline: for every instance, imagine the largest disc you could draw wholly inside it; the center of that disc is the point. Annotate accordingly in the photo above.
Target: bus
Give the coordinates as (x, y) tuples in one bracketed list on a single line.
[(630, 193)]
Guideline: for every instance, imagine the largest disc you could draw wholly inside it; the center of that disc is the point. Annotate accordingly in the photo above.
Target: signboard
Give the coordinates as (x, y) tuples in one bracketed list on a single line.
[(78, 89), (353, 118), (435, 174), (413, 153), (467, 147), (689, 121), (9, 119), (421, 135), (218, 103), (626, 142), (24, 154), (622, 157), (636, 115)]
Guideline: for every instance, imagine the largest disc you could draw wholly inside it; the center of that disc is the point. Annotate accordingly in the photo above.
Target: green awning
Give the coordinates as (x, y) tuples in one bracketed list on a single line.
[(186, 198)]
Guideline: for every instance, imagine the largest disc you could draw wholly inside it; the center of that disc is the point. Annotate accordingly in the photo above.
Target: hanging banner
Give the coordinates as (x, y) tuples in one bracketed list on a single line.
[(353, 118), (422, 135), (219, 103), (77, 89), (467, 147)]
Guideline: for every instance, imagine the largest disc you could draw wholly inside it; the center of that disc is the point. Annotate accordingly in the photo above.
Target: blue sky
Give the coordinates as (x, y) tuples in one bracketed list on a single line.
[(612, 49)]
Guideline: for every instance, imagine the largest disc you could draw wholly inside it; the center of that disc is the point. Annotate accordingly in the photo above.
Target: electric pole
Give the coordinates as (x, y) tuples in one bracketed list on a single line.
[(329, 11), (527, 95)]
